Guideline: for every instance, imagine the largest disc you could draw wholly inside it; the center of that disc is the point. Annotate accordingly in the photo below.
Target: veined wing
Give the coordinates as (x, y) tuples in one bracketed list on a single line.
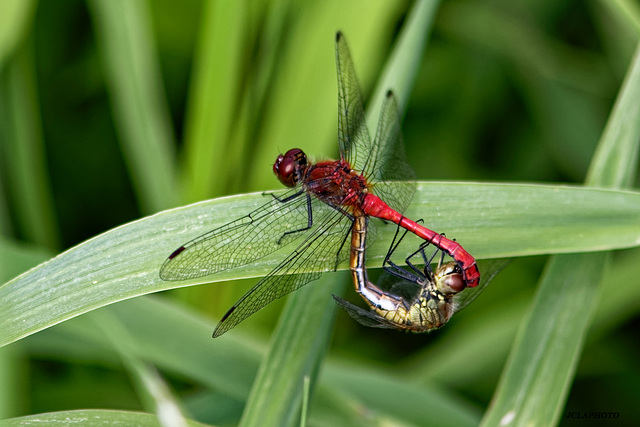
[(390, 174), (320, 251), (489, 268), (363, 316), (353, 136), (244, 240), (383, 160)]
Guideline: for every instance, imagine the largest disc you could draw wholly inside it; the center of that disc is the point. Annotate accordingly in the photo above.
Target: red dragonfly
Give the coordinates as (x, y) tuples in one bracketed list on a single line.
[(417, 300), (319, 210)]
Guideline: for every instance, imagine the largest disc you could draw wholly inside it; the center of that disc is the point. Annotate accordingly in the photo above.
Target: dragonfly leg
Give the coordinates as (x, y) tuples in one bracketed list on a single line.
[(427, 260), (309, 216), (420, 250), (392, 268), (284, 199)]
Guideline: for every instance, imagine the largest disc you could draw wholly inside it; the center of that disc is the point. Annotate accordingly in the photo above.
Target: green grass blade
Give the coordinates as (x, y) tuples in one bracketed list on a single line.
[(401, 69), (15, 19), (124, 262), (489, 219), (298, 347), (214, 99), (137, 98), (614, 164), (306, 389), (23, 147), (152, 390), (90, 417), (540, 370), (627, 8), (396, 397), (542, 364)]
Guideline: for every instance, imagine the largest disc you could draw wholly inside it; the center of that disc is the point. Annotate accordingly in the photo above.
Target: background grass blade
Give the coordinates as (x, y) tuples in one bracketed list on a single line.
[(23, 147), (152, 389), (300, 109), (138, 101), (296, 352), (543, 361), (214, 99), (401, 68), (15, 19), (614, 163)]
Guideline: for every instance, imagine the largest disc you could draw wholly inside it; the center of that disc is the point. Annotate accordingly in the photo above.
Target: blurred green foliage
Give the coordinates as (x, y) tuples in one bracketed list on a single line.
[(111, 110)]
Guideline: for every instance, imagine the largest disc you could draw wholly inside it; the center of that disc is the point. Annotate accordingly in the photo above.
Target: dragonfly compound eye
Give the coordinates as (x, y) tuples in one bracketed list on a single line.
[(449, 279), (289, 167), (455, 283)]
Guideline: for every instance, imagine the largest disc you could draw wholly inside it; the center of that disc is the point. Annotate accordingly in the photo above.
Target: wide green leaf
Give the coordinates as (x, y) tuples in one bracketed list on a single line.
[(90, 417), (503, 220)]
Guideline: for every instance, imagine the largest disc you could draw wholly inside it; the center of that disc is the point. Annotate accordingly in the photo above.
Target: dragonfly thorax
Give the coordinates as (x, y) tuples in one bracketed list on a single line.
[(335, 183)]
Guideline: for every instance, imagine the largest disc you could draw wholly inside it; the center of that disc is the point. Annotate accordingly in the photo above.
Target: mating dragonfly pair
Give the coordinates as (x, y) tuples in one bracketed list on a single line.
[(327, 201)]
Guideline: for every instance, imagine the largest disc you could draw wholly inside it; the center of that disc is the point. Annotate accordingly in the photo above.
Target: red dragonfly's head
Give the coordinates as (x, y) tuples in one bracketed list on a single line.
[(290, 167)]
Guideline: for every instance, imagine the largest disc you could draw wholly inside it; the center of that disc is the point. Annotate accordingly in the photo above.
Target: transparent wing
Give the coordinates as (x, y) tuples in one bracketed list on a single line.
[(244, 240), (384, 159), (325, 247), (409, 291), (489, 268), (363, 316), (390, 173), (353, 136)]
